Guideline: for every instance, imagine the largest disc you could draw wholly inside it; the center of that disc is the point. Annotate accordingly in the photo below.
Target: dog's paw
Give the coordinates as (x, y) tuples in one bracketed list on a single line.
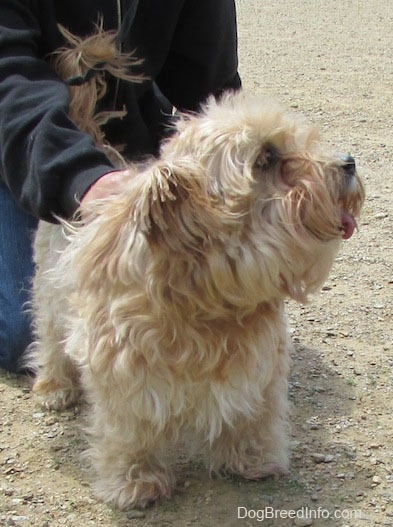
[(256, 471), (134, 494), (54, 397), (60, 399), (271, 469)]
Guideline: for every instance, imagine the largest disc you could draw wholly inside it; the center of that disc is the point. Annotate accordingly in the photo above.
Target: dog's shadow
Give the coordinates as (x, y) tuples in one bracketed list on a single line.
[(322, 402)]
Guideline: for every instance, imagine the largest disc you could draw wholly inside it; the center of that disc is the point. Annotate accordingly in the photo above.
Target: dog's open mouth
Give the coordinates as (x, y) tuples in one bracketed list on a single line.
[(348, 225)]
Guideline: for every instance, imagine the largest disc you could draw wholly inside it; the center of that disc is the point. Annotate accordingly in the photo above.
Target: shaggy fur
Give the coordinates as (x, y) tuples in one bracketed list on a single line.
[(99, 55), (165, 306)]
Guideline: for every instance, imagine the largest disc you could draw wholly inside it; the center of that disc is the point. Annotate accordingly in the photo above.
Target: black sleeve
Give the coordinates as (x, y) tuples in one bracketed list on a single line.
[(203, 58), (45, 160)]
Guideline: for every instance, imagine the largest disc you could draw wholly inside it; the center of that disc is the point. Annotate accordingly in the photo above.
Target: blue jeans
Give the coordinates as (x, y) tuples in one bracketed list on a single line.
[(16, 271)]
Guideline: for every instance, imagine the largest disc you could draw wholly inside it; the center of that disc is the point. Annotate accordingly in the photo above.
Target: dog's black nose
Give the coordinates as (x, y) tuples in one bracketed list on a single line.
[(349, 165)]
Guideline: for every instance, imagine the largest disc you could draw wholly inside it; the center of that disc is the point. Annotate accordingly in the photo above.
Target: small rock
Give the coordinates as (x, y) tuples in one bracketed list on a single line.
[(39, 415), (135, 515), (7, 491), (18, 519), (303, 522), (28, 497), (377, 480), (381, 215), (52, 420), (318, 458)]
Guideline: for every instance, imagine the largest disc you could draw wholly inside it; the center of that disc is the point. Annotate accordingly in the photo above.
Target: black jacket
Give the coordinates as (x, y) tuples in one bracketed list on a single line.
[(189, 48)]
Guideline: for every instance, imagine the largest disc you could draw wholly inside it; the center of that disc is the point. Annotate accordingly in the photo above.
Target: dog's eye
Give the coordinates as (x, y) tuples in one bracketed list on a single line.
[(267, 158)]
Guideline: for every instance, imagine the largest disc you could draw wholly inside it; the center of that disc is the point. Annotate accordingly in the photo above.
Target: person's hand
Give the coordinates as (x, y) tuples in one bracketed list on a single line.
[(108, 185)]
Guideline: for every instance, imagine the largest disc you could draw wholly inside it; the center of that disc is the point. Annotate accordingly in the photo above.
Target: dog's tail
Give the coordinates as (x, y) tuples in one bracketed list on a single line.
[(83, 64)]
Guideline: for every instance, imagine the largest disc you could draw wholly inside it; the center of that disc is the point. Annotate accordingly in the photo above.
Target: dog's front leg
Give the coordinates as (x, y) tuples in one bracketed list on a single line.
[(254, 448), (128, 448), (257, 446), (128, 479)]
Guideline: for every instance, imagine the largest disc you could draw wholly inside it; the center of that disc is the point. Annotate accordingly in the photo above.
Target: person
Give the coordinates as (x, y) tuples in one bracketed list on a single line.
[(47, 165)]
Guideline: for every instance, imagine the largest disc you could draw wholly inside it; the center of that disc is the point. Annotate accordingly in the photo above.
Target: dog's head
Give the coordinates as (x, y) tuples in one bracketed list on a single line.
[(249, 191), (244, 205)]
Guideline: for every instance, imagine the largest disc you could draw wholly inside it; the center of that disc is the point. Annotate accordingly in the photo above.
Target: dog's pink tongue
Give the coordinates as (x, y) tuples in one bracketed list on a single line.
[(348, 225)]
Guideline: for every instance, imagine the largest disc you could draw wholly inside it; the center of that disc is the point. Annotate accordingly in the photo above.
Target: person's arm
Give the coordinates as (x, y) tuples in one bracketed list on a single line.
[(202, 60), (47, 163), (203, 56)]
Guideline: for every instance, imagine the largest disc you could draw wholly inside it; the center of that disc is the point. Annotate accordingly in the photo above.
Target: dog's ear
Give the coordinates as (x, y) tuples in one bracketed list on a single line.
[(167, 186), (168, 208), (176, 205)]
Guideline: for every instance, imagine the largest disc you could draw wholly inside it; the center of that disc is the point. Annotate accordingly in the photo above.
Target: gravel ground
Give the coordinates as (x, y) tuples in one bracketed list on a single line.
[(331, 60)]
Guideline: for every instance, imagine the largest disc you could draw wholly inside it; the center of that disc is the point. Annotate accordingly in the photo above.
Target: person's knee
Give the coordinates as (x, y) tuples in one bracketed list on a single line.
[(16, 270)]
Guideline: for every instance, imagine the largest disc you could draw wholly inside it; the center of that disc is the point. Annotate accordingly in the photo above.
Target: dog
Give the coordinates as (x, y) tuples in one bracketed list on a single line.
[(164, 305)]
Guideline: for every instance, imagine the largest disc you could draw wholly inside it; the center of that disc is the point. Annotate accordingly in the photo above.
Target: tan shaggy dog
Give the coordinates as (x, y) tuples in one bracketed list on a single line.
[(165, 305)]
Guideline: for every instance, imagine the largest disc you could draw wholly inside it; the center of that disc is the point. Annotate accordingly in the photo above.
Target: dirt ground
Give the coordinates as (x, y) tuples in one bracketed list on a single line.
[(332, 60)]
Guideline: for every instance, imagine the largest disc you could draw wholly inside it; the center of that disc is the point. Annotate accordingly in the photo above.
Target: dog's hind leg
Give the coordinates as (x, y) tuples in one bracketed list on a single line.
[(57, 380)]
